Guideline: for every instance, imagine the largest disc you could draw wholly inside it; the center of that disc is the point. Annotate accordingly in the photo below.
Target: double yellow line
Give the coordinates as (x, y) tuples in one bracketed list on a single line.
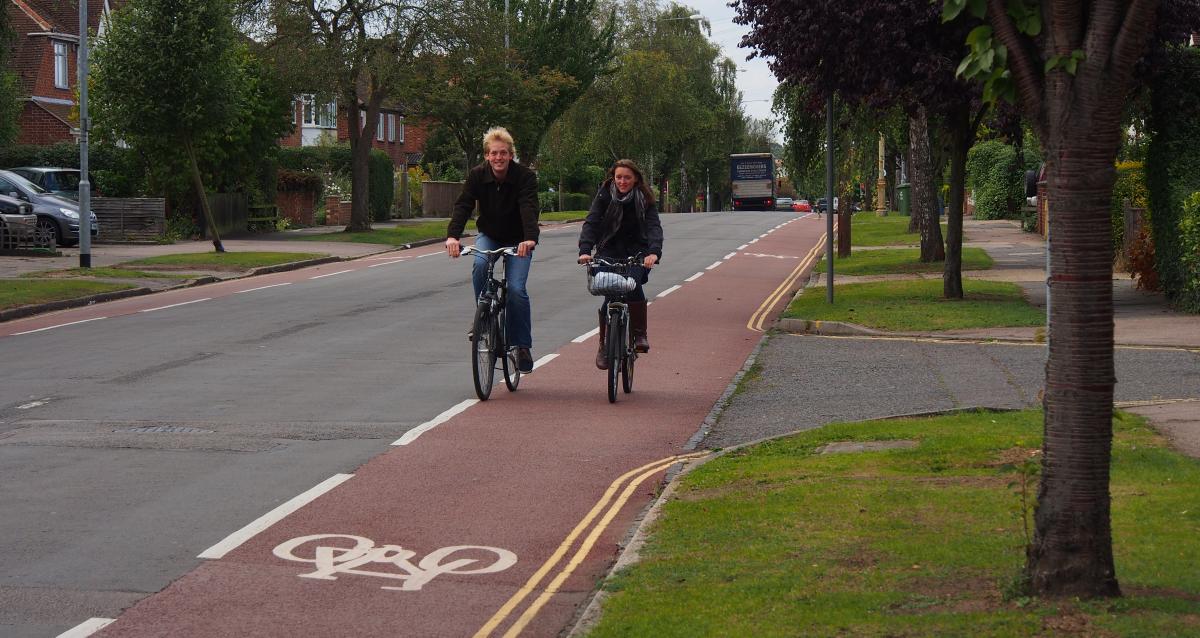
[(639, 476), (760, 315)]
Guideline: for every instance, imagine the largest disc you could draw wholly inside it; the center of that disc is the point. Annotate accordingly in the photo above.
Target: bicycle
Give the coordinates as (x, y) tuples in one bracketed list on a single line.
[(613, 281), (489, 336)]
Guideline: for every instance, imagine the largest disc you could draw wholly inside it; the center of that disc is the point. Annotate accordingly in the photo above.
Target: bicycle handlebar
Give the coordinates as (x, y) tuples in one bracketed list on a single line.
[(505, 250), (634, 260)]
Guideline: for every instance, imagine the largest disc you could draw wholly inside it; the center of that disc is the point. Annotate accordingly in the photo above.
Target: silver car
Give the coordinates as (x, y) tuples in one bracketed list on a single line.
[(57, 217)]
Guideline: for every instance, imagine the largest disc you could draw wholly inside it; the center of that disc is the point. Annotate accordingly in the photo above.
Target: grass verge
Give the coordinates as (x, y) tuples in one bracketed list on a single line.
[(779, 540), (404, 233), (900, 261), (562, 216), (918, 305), (25, 292), (869, 230), (218, 261), (106, 273)]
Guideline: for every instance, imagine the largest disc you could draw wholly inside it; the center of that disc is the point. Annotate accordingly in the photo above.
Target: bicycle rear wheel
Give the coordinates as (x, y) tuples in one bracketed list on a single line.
[(627, 370), (508, 357), (483, 351), (615, 344)]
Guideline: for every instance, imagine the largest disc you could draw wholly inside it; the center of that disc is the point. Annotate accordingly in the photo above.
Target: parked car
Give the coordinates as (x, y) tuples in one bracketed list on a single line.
[(18, 224), (783, 203), (57, 217), (802, 206), (59, 181)]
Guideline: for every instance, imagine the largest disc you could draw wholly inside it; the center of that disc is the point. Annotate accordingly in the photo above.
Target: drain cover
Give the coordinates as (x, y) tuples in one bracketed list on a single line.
[(166, 429)]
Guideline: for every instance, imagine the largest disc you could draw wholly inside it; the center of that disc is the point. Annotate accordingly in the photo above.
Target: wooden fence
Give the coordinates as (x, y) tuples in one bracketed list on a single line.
[(128, 219), (437, 198)]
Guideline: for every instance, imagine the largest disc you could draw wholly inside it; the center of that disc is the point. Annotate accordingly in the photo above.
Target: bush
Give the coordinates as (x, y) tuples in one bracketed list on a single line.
[(547, 202), (382, 187), (118, 171), (1173, 177), (415, 176), (334, 161), (288, 180), (989, 175)]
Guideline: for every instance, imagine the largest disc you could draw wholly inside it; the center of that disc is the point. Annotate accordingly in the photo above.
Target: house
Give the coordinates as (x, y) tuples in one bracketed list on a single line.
[(402, 140), (45, 53)]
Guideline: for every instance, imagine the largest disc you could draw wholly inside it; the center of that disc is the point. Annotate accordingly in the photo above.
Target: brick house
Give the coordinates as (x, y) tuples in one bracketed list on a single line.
[(44, 58), (402, 140)]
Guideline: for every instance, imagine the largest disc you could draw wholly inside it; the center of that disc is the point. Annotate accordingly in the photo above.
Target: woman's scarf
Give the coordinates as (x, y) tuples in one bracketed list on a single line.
[(616, 209)]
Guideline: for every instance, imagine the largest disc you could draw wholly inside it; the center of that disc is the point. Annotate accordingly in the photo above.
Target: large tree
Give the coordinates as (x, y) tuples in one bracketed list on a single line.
[(167, 71), (845, 42), (1071, 67)]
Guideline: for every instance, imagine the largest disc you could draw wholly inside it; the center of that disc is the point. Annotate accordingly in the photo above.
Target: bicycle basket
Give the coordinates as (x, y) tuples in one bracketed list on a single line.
[(609, 282)]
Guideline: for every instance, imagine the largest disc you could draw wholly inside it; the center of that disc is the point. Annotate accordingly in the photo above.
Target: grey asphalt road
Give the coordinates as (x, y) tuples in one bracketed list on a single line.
[(130, 445), (816, 380)]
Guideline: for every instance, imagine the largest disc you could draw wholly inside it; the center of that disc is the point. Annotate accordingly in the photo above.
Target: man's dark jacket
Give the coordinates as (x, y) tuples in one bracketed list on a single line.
[(508, 210)]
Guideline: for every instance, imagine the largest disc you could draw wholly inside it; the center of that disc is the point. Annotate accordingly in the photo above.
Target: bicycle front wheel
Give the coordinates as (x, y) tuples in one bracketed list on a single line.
[(483, 351), (615, 345), (508, 357)]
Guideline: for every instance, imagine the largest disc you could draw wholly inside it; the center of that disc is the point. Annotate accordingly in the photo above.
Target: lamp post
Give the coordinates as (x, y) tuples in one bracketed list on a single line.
[(881, 184), (85, 186)]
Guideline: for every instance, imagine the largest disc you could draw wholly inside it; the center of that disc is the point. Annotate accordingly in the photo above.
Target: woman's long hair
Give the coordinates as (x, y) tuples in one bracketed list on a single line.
[(637, 172)]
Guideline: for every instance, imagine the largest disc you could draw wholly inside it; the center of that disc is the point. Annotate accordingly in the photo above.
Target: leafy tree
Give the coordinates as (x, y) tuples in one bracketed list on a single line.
[(567, 38), (845, 40), (10, 106), (166, 73), (1071, 66)]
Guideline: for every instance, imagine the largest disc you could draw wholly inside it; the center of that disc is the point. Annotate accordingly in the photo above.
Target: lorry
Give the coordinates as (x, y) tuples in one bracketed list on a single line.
[(752, 181)]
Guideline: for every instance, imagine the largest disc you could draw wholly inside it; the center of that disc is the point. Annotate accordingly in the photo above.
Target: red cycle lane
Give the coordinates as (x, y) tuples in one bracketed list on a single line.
[(501, 520)]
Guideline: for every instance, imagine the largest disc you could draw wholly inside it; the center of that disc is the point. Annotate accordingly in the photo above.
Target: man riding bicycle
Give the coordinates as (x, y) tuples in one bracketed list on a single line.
[(506, 193)]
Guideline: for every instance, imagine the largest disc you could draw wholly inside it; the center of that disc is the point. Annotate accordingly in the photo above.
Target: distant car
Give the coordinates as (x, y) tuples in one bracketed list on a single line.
[(783, 203), (802, 206), (60, 181), (57, 217), (18, 224)]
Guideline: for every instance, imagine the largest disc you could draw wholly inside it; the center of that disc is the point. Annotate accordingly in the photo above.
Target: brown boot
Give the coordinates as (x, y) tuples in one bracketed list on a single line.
[(601, 355), (637, 326)]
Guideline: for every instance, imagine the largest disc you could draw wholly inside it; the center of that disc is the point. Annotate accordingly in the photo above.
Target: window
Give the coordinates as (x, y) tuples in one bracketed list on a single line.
[(391, 127), (379, 128), (400, 136), (61, 66), (322, 115)]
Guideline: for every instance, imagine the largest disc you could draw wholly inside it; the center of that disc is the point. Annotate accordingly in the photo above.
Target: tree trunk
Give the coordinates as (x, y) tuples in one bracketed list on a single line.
[(924, 199), (198, 183), (845, 213), (963, 137), (1071, 554), (361, 134), (914, 220)]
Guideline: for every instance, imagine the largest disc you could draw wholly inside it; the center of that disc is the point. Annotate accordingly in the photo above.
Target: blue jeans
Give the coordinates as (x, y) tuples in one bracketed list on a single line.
[(519, 322)]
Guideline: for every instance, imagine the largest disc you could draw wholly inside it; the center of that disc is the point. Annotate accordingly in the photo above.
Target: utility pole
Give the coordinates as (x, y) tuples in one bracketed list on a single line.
[(85, 186)]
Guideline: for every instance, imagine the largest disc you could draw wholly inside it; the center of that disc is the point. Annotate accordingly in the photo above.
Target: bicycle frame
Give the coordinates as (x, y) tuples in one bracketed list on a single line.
[(491, 318), (621, 352)]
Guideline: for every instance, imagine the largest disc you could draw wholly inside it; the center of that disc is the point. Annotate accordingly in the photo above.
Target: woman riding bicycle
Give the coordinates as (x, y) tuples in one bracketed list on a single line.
[(623, 222)]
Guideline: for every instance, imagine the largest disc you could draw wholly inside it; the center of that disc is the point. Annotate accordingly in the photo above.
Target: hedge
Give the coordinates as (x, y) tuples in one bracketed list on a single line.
[(1131, 185), (1173, 177), (336, 159), (118, 171), (548, 201), (989, 175)]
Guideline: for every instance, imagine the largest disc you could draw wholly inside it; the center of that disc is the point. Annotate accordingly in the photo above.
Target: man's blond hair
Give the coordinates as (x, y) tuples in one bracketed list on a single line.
[(498, 134)]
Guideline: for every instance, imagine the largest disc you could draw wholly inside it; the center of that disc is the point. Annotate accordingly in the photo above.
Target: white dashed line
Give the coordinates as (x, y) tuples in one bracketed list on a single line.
[(386, 263), (286, 283), (729, 255), (546, 359), (695, 276), (666, 292), (427, 255), (176, 305), (753, 241), (743, 246), (87, 628), (587, 335), (265, 521), (412, 434), (714, 265), (331, 274), (34, 404), (762, 235), (61, 325)]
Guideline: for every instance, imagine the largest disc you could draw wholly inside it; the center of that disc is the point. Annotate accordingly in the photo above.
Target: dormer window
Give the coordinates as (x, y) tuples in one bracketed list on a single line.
[(61, 66)]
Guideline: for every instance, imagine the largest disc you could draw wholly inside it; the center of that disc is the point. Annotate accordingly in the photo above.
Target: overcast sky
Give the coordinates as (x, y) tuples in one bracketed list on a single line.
[(755, 79)]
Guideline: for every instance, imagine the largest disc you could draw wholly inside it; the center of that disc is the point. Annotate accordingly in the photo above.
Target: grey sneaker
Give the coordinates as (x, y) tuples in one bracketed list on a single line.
[(524, 360)]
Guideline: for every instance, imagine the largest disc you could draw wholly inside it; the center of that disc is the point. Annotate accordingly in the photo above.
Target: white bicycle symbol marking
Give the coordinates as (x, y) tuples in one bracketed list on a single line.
[(342, 560)]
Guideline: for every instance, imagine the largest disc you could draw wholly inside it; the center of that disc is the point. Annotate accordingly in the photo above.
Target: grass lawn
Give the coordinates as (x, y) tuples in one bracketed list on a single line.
[(218, 261), (563, 216), (917, 305), (24, 292), (779, 540), (900, 260), (405, 233), (107, 273), (869, 230)]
